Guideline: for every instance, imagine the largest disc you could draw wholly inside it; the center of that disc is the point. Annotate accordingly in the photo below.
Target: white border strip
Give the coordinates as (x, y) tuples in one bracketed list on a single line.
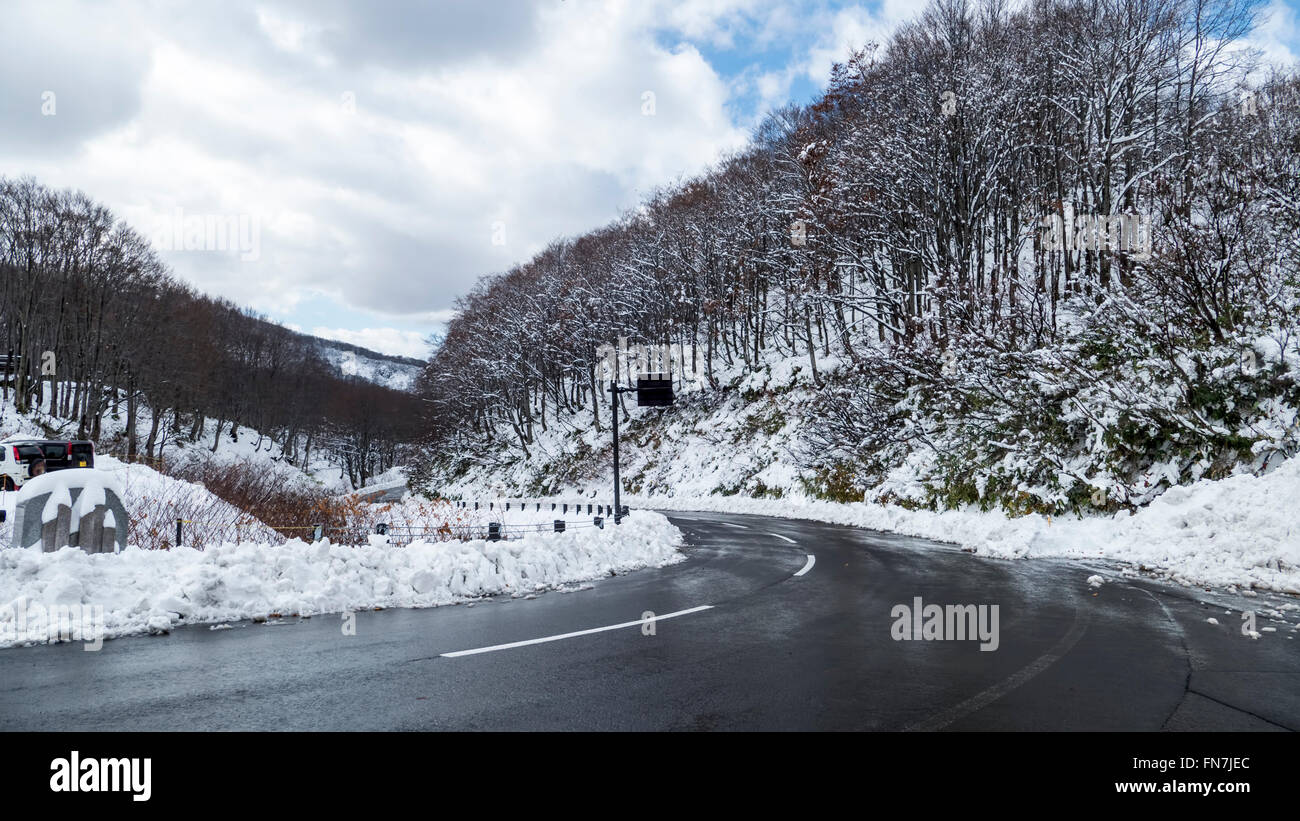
[(546, 639)]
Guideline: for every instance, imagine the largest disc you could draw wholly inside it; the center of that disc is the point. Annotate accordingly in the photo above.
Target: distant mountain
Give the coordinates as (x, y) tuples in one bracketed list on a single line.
[(396, 372)]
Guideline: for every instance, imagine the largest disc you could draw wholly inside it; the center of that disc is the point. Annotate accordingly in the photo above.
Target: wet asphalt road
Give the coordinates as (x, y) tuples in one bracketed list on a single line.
[(776, 651)]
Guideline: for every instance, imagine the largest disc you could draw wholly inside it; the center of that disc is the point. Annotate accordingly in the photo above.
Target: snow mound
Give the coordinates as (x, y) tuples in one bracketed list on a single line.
[(144, 591), (1243, 530)]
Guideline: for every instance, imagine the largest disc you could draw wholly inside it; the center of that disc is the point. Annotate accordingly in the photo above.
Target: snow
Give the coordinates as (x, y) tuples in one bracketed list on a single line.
[(391, 479), (1239, 531), (91, 496), (734, 453), (150, 591), (153, 500), (390, 373), (58, 482), (59, 498)]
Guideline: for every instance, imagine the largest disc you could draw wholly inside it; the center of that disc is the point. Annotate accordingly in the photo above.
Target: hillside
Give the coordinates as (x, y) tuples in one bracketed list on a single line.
[(396, 372), (762, 434), (745, 448), (1071, 290), (107, 342), (984, 304)]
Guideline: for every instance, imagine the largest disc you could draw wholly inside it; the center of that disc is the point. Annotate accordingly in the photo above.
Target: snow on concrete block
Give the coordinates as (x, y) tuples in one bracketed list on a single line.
[(59, 498), (109, 539), (69, 507)]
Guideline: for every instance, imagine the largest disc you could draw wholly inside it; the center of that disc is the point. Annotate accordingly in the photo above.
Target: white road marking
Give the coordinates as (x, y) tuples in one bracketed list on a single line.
[(787, 538), (545, 639), (729, 524), (812, 560)]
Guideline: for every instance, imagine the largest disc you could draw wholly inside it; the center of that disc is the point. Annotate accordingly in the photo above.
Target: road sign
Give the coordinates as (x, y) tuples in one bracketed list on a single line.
[(654, 391)]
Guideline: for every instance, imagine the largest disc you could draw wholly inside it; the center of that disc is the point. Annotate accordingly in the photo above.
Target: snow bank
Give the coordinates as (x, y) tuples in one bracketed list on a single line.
[(1240, 531), (145, 591), (155, 501), (388, 480)]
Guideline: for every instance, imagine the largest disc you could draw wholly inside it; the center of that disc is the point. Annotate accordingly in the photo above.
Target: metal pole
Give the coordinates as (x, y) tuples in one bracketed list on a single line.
[(178, 532), (618, 509)]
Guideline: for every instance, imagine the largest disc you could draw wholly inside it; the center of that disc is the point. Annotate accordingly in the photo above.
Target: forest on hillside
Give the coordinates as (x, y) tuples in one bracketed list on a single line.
[(127, 336), (1046, 256)]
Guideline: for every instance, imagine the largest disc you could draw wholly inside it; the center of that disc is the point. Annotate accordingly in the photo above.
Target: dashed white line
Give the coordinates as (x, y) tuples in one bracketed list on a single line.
[(812, 560), (787, 538), (729, 524), (574, 634)]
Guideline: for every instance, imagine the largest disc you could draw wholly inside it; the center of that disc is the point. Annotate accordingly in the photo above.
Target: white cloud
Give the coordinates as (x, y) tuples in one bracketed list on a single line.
[(391, 205), (1275, 35), (385, 340), (711, 21), (461, 119), (286, 34), (854, 27)]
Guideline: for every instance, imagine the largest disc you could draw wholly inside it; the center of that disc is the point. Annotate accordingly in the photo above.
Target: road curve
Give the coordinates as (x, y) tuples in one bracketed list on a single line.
[(770, 624)]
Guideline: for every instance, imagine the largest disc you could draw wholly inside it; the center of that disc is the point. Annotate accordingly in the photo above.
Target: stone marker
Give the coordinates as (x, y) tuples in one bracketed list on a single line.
[(81, 507)]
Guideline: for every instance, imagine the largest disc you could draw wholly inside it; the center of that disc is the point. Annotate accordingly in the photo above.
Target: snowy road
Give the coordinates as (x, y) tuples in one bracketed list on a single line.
[(771, 624)]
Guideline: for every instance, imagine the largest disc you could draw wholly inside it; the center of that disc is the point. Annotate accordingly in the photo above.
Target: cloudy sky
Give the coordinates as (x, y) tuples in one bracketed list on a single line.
[(350, 168)]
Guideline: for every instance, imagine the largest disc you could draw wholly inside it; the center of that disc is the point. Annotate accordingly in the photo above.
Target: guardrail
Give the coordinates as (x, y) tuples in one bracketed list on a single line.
[(592, 508), (599, 512), (403, 535), (492, 531)]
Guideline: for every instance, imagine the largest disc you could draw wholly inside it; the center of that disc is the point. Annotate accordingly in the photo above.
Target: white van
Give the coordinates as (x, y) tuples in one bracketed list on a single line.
[(17, 455), (15, 460)]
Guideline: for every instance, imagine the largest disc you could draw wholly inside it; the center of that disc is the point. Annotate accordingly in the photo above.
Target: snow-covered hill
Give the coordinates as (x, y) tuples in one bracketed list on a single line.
[(396, 372), (743, 448)]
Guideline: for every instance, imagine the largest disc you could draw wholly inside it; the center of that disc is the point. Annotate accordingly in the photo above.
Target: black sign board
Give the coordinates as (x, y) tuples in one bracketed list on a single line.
[(654, 391)]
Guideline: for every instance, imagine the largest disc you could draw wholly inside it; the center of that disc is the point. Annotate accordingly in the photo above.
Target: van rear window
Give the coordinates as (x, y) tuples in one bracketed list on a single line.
[(27, 452)]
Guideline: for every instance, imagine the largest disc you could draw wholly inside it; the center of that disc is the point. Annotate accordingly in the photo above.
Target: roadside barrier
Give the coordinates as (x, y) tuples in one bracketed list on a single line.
[(590, 508), (492, 531), (317, 531), (403, 535)]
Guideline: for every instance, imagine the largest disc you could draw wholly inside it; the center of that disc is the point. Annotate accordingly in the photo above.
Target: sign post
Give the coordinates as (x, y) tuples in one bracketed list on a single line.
[(615, 390), (652, 391)]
